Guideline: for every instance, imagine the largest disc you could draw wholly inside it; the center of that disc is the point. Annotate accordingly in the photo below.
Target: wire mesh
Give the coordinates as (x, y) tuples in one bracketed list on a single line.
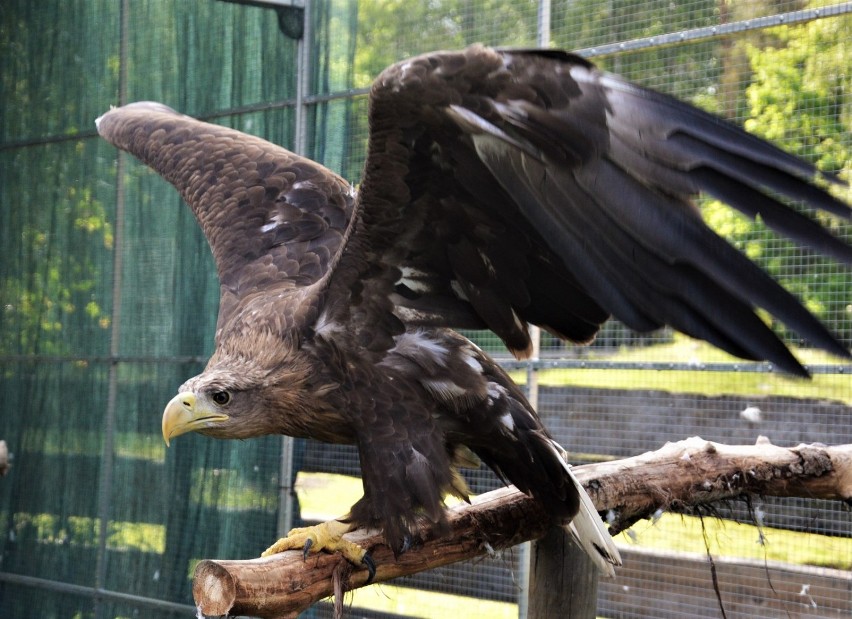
[(109, 302)]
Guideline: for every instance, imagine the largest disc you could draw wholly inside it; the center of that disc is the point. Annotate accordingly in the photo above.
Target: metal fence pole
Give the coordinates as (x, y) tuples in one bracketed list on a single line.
[(286, 474), (108, 453), (526, 547), (542, 40)]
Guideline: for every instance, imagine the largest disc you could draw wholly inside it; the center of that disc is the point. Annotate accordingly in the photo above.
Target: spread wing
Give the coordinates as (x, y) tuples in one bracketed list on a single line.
[(506, 188), (274, 220)]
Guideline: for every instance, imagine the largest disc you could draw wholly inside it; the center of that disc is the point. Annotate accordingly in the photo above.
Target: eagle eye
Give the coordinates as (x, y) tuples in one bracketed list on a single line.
[(221, 397)]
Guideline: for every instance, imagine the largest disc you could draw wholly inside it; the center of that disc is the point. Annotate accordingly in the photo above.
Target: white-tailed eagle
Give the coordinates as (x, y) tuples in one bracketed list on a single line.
[(501, 189)]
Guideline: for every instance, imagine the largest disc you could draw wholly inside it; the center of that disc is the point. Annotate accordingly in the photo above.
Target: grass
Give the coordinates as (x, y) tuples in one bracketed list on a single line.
[(726, 538), (324, 495), (821, 387), (684, 350), (427, 604)]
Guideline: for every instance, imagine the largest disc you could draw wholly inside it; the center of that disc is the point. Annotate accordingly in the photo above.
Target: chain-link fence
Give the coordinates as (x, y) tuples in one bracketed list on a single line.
[(108, 302)]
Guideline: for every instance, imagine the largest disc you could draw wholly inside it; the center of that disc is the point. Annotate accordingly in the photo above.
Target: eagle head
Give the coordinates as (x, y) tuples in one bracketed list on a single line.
[(215, 406), (233, 398)]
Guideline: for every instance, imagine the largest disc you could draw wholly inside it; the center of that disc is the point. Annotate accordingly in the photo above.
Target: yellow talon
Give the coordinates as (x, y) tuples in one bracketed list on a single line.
[(326, 536)]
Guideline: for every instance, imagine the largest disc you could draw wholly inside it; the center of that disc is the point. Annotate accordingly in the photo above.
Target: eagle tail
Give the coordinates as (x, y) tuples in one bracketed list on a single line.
[(511, 439), (587, 528)]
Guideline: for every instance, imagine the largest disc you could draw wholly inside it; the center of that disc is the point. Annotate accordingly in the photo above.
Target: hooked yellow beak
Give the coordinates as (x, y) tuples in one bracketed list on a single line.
[(183, 414)]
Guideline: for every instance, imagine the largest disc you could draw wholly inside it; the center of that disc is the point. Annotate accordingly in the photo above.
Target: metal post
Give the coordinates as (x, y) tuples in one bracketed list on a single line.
[(542, 40), (559, 580), (303, 77), (108, 454), (526, 547), (286, 488), (543, 24)]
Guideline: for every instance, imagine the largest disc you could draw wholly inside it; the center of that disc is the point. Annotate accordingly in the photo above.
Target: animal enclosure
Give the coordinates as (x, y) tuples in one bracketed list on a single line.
[(108, 302)]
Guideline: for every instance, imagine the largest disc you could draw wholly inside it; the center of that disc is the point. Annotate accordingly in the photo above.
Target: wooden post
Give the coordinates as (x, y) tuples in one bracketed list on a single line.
[(563, 580)]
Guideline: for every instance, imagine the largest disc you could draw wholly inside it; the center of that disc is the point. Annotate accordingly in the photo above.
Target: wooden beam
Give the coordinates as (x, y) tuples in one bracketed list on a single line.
[(679, 476)]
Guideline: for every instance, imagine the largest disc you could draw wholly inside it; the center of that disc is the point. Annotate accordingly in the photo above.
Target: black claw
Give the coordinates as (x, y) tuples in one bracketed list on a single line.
[(371, 567), (308, 543), (406, 543)]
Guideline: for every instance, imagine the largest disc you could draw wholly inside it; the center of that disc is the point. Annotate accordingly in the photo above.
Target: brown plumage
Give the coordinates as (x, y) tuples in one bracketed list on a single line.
[(501, 188)]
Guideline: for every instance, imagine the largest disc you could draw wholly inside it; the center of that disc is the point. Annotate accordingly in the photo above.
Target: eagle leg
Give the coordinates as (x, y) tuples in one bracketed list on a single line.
[(326, 536)]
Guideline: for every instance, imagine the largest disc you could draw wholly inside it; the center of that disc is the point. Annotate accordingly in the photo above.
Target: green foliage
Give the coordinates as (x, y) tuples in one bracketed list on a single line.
[(385, 29), (797, 100), (796, 97), (355, 41), (50, 529), (687, 71), (789, 84), (60, 250), (62, 64)]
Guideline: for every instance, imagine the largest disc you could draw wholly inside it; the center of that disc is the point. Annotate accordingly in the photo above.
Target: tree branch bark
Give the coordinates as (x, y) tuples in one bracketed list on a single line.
[(679, 477)]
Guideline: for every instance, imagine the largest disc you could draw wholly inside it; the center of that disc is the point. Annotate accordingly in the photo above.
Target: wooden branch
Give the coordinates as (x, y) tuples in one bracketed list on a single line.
[(4, 458), (678, 477), (696, 472), (285, 585)]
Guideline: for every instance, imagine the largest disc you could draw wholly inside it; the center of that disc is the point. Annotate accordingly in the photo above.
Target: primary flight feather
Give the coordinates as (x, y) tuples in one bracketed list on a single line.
[(501, 189)]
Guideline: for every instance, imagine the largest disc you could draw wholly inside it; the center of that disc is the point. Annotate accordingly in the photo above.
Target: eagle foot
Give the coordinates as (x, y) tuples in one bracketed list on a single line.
[(326, 536)]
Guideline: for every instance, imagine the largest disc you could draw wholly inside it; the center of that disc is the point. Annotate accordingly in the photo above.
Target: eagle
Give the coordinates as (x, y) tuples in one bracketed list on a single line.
[(501, 189)]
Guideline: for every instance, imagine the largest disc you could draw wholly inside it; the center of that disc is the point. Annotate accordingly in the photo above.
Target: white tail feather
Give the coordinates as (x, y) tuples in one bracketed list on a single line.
[(587, 528)]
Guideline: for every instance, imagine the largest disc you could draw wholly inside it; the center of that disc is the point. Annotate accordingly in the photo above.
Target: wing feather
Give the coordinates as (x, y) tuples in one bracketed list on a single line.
[(274, 221), (501, 189), (593, 177)]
